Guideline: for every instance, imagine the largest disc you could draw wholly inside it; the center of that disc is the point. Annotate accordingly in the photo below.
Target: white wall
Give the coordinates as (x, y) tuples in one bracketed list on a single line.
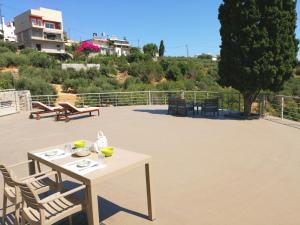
[(78, 67)]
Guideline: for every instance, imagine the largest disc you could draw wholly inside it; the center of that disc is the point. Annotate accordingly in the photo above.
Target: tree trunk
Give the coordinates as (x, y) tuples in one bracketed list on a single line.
[(248, 100)]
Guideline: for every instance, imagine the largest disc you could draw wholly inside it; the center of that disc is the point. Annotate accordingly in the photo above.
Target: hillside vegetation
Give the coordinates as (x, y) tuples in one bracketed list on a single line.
[(38, 72)]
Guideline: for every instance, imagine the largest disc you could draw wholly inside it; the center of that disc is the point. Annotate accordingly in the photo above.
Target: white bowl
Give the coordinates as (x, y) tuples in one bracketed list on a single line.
[(83, 153)]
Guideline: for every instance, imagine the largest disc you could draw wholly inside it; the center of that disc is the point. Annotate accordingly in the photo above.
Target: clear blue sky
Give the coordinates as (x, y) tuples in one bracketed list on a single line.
[(191, 22)]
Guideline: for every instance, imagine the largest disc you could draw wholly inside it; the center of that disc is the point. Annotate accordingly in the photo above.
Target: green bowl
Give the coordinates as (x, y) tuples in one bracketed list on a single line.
[(79, 144), (108, 151)]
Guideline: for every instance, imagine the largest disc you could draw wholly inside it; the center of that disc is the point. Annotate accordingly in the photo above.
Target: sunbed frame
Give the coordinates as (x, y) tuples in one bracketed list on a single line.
[(70, 110), (45, 110)]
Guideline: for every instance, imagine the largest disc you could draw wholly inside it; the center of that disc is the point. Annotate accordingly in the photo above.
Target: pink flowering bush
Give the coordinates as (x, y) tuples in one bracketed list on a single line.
[(87, 47)]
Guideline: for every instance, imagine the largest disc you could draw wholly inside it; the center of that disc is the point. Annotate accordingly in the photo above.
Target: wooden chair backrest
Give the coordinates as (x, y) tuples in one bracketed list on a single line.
[(211, 102), (181, 102), (40, 105), (8, 180), (172, 100), (69, 107), (29, 196)]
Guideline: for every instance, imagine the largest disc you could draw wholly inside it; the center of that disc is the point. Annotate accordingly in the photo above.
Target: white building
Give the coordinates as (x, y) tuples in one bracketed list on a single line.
[(111, 45), (8, 31), (120, 46), (41, 29)]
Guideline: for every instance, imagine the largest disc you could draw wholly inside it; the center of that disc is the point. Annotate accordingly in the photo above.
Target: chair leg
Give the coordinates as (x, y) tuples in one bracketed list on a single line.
[(70, 220), (4, 209), (58, 181), (17, 213), (23, 222)]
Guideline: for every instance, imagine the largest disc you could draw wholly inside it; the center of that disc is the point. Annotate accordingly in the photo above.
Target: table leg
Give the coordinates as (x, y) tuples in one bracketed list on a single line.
[(31, 166), (92, 206), (151, 213)]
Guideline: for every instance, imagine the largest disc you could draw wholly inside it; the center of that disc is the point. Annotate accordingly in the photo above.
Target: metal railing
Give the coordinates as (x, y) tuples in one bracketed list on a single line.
[(285, 107), (127, 98)]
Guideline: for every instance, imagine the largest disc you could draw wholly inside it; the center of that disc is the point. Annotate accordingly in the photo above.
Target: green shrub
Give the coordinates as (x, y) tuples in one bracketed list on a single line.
[(4, 49), (33, 72), (11, 46), (108, 70), (37, 86), (39, 59), (189, 85), (13, 59), (173, 73), (3, 61), (6, 81), (171, 85), (135, 55), (27, 51), (89, 89)]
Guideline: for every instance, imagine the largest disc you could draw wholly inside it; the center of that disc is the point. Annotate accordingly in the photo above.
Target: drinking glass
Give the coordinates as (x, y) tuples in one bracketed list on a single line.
[(101, 157), (68, 148)]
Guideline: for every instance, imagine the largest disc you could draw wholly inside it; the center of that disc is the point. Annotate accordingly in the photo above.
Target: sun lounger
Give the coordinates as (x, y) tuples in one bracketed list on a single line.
[(45, 109), (70, 110)]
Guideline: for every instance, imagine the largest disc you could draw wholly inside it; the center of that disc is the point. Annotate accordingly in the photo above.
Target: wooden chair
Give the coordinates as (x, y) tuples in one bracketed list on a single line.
[(45, 109), (172, 106), (210, 106), (70, 110), (178, 106), (12, 193), (183, 107), (51, 209)]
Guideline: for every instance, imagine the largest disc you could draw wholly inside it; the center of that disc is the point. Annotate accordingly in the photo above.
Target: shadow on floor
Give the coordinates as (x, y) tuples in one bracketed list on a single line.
[(288, 123), (107, 209), (222, 114), (79, 117), (44, 117)]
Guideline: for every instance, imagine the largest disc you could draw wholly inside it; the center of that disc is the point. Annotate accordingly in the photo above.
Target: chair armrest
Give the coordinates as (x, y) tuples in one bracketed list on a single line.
[(61, 195), (44, 176), (36, 175), (19, 164)]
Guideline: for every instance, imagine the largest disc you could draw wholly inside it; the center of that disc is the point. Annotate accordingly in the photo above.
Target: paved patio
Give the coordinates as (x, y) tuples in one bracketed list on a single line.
[(205, 171)]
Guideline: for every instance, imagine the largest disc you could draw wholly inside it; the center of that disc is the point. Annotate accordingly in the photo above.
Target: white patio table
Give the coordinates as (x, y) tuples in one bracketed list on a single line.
[(122, 161)]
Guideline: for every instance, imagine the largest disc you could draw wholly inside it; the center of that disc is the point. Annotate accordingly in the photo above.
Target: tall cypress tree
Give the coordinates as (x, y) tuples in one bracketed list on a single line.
[(259, 46), (161, 50)]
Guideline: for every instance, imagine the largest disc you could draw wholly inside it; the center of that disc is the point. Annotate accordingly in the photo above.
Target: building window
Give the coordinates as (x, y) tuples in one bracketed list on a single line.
[(38, 47), (33, 21), (58, 26), (40, 23), (49, 25)]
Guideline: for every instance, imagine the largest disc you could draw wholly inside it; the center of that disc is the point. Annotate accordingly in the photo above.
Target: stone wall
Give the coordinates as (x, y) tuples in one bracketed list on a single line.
[(78, 67)]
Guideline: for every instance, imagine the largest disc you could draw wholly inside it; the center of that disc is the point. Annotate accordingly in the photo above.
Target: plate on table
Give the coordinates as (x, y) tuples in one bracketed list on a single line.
[(51, 153), (84, 163)]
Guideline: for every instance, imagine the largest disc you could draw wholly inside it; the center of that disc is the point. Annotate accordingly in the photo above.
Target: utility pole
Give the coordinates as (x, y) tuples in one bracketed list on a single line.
[(69, 34), (187, 50)]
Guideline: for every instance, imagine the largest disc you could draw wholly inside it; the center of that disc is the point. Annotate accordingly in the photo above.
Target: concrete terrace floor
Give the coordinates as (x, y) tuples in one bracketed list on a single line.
[(205, 171)]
